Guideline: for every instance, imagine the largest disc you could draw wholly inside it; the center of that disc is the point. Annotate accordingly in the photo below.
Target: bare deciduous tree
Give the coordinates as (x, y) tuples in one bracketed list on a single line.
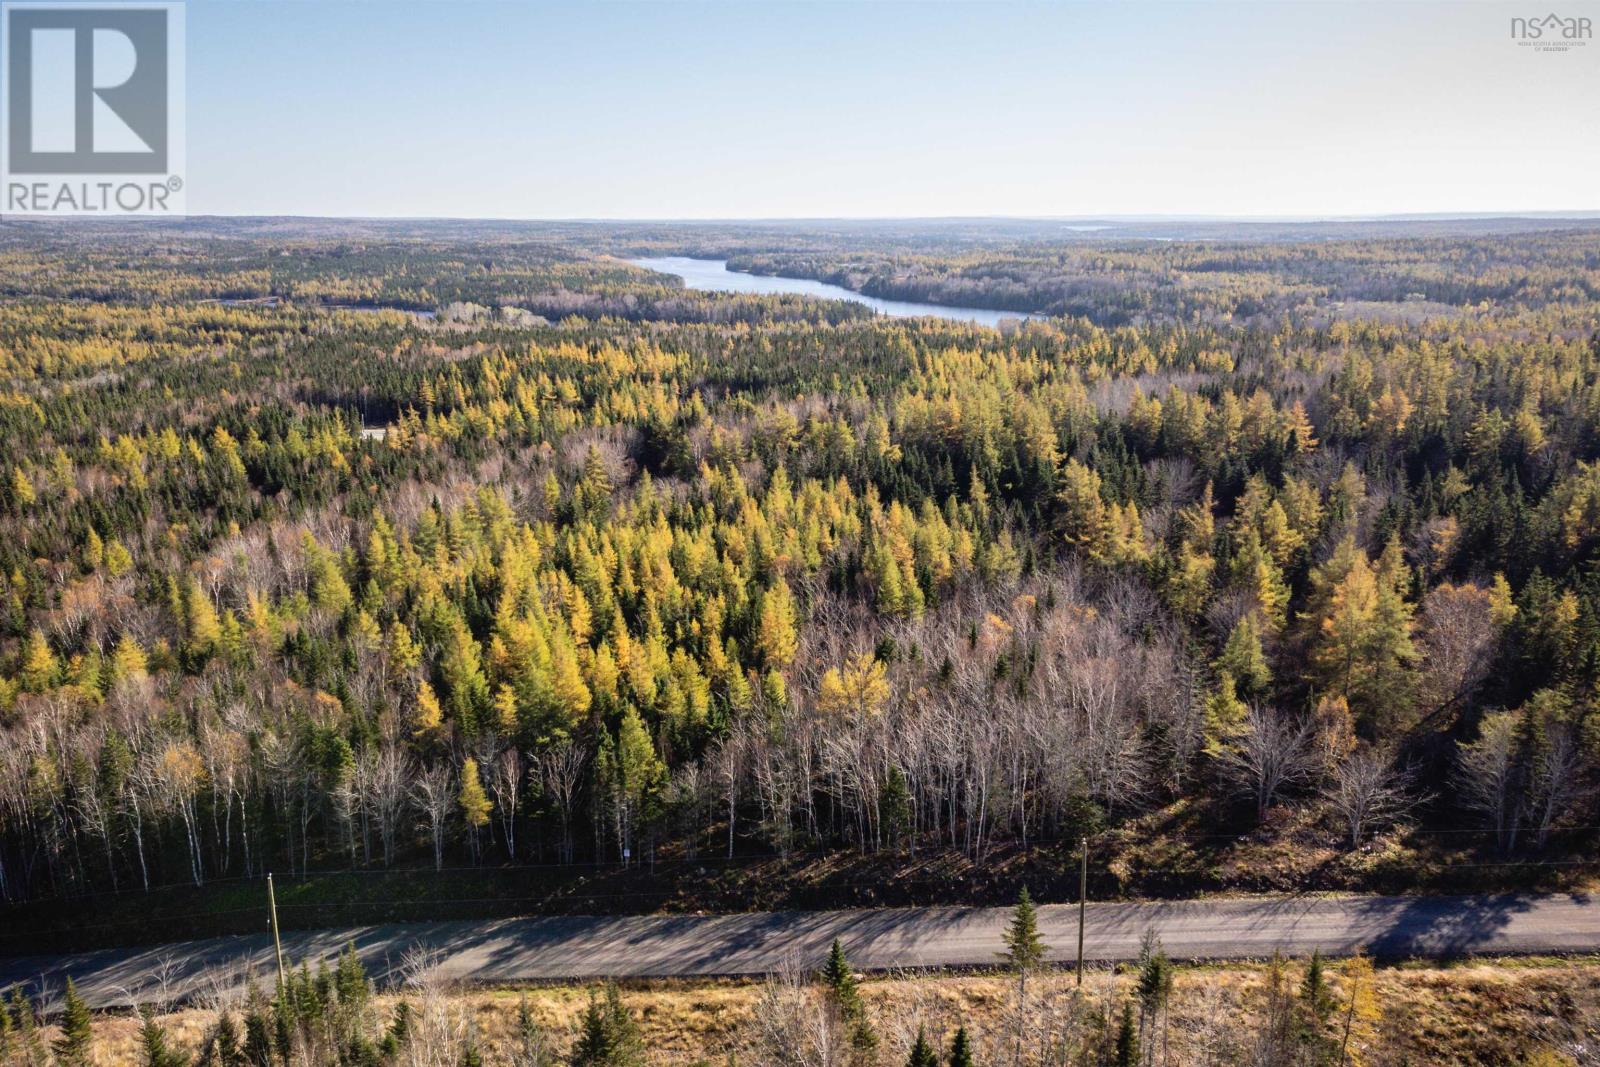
[(561, 773), (1486, 776), (1274, 752), (1555, 778), (727, 765), (227, 759), (796, 1026), (385, 781), (433, 795), (1456, 639), (1367, 790), (505, 781)]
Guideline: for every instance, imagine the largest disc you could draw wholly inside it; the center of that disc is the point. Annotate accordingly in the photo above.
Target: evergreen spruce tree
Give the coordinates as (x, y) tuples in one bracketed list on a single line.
[(1126, 1052), (225, 1039), (846, 997), (221, 1048), (1224, 718), (257, 1039), (1317, 1006), (26, 1026), (351, 985), (1025, 952), (894, 807), (153, 1046), (1244, 660), (840, 980), (72, 1047), (607, 1036), (283, 1020), (922, 1054), (961, 1049), (1154, 984), (1314, 991), (398, 1033)]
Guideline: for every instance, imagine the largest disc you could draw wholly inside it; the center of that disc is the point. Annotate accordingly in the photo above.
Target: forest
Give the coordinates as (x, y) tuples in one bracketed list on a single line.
[(417, 548)]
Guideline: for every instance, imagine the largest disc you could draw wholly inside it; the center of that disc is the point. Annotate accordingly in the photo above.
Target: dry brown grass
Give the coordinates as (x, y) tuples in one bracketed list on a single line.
[(1491, 1012)]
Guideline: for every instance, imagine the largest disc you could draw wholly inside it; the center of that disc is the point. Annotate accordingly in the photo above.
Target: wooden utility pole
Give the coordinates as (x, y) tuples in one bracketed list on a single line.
[(277, 942), (1083, 893)]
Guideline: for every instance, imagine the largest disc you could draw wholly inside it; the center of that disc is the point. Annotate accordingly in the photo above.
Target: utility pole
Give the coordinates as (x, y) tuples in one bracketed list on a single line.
[(1083, 893), (277, 942)]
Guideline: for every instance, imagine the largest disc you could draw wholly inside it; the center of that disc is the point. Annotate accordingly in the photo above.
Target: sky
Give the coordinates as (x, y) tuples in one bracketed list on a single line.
[(878, 108)]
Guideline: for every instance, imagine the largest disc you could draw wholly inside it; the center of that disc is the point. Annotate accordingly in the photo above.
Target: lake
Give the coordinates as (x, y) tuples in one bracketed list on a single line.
[(714, 275)]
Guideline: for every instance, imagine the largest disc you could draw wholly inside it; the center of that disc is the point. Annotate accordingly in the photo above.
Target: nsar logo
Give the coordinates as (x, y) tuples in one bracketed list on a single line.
[(1552, 33)]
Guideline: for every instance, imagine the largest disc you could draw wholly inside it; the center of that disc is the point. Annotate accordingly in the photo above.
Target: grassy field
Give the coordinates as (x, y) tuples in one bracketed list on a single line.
[(1491, 1012)]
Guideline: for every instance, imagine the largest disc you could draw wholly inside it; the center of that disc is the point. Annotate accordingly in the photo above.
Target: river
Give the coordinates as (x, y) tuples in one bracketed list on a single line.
[(713, 274)]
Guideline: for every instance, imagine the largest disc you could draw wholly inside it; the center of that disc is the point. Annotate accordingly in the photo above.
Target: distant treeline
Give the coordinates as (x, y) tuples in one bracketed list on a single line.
[(1124, 282)]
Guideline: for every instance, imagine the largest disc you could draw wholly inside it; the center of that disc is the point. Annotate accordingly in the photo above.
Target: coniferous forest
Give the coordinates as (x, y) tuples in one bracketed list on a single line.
[(1260, 562)]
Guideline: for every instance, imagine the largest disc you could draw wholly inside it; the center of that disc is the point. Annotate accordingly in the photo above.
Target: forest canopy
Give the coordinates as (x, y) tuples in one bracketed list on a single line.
[(380, 546)]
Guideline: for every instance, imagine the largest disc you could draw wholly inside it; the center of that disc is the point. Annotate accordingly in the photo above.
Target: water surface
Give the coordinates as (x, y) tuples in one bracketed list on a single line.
[(714, 275)]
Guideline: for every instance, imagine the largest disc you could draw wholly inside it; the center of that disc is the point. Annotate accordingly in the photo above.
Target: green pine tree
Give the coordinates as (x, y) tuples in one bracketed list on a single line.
[(1314, 989), (841, 980), (1126, 1053), (350, 981), (846, 995), (961, 1049), (894, 807), (283, 1017), (72, 1048), (221, 1048), (1224, 718), (607, 1036), (1317, 1004), (398, 1033), (153, 1044), (1025, 951), (1154, 984), (27, 1026), (257, 1039), (922, 1054)]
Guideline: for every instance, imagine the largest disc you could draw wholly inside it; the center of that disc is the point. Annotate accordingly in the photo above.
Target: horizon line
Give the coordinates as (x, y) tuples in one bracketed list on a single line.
[(1577, 214)]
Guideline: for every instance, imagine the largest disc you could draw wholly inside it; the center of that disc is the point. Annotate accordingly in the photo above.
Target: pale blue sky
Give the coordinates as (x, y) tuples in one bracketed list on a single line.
[(678, 109)]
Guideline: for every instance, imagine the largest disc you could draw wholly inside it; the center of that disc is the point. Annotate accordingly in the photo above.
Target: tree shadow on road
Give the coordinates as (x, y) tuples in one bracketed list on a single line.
[(1445, 927), (575, 947)]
